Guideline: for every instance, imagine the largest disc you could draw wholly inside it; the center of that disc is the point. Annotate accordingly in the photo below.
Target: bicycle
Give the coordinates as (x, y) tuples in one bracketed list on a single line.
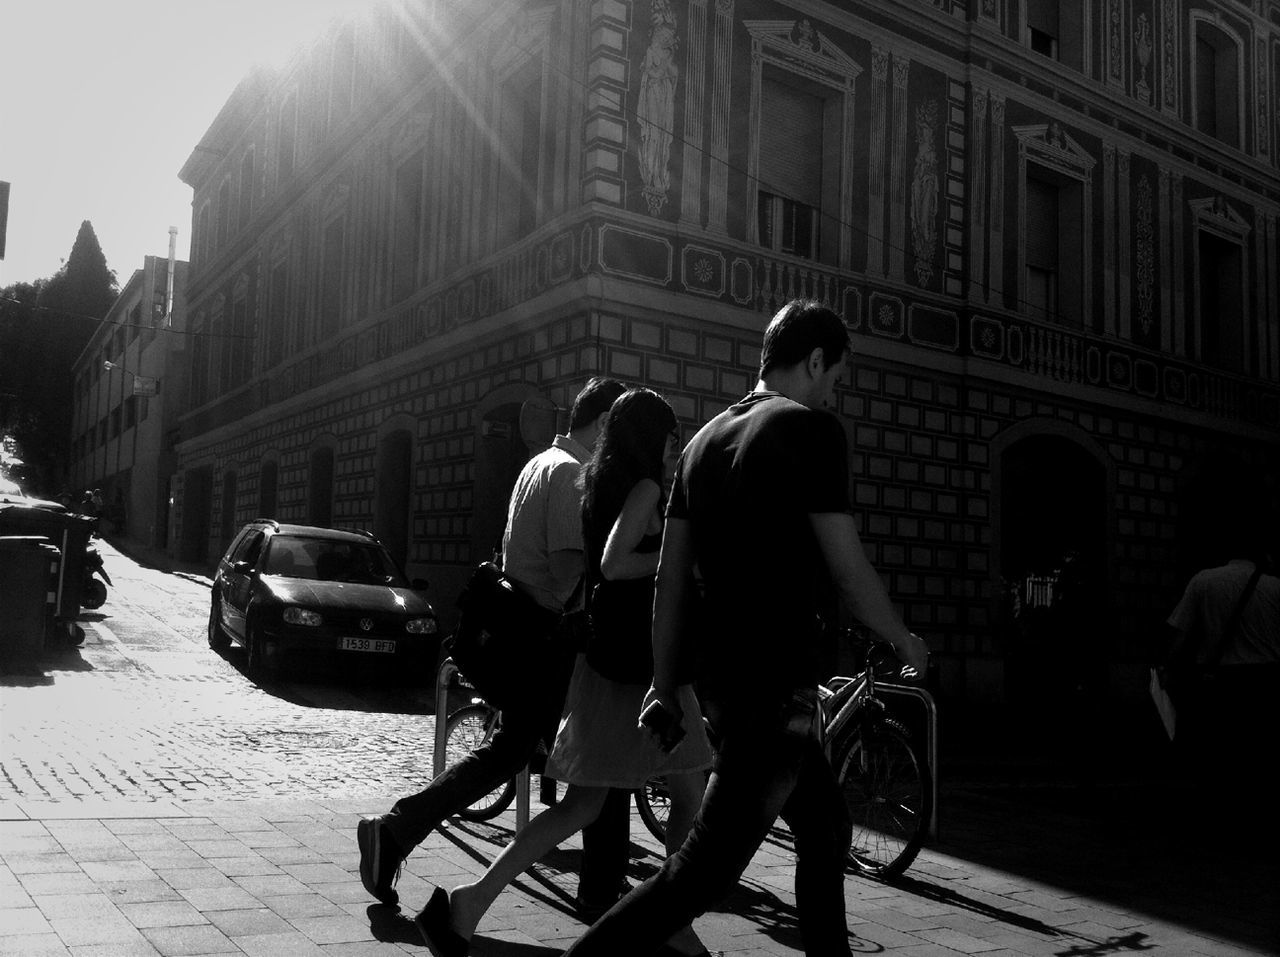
[(466, 729), (884, 775)]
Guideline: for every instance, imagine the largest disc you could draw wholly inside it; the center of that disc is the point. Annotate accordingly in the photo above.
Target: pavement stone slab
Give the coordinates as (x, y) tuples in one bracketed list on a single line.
[(95, 929), (291, 944), (32, 945), (204, 940), (241, 923), (162, 914), (209, 899)]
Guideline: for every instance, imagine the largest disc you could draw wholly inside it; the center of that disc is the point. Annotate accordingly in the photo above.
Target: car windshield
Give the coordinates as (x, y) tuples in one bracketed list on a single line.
[(318, 559)]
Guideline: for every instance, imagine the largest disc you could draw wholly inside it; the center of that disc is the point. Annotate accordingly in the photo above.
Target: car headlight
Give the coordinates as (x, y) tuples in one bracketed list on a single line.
[(302, 616), (420, 626)]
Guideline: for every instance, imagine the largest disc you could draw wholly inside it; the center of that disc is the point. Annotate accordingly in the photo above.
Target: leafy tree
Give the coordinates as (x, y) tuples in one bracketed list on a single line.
[(41, 336)]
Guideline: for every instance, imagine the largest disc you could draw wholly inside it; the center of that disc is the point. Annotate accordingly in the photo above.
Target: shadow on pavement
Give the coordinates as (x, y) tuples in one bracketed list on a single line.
[(391, 925), (1158, 849), (314, 686), (952, 898), (39, 672)]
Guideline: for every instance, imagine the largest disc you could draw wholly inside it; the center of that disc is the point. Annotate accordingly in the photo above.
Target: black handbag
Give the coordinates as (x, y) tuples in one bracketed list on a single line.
[(504, 643), (620, 645)]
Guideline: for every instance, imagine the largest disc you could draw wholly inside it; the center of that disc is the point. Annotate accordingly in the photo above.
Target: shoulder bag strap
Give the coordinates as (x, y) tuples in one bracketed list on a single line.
[(1219, 648)]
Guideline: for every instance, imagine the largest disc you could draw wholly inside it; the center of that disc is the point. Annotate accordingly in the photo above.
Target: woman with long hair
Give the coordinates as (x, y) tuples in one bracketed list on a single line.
[(599, 745)]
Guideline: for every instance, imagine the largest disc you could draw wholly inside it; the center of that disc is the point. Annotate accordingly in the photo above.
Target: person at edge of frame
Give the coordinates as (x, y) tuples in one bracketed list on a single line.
[(760, 505), (542, 553)]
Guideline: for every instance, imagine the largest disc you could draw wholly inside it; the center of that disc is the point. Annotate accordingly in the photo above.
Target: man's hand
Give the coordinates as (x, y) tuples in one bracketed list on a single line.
[(670, 701), (912, 652)]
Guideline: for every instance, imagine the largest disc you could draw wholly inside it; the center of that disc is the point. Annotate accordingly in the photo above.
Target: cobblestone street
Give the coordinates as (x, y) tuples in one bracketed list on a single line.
[(155, 801), (145, 710)]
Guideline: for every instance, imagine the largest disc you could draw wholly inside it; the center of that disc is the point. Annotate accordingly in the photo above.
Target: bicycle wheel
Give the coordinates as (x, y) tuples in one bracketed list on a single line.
[(465, 730), (653, 801), (889, 793)]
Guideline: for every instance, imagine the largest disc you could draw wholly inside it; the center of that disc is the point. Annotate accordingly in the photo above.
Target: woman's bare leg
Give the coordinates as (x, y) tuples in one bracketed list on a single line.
[(579, 807)]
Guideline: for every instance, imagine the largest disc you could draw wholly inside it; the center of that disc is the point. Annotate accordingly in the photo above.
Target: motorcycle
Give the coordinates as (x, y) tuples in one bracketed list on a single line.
[(93, 592)]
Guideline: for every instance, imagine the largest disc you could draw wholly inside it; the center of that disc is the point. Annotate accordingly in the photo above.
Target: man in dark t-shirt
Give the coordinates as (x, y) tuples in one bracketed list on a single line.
[(760, 507), (747, 484)]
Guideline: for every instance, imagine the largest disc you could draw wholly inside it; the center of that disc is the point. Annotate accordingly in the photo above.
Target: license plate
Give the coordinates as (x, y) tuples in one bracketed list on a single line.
[(366, 644)]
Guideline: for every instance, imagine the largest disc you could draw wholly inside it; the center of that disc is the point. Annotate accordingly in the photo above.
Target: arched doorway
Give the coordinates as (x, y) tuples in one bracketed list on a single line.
[(197, 502), (267, 489), (394, 484), (228, 510), (501, 452), (320, 487), (1053, 512)]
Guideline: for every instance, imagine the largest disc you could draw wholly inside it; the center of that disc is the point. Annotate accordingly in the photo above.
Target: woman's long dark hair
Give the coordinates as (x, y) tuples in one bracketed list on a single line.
[(631, 448)]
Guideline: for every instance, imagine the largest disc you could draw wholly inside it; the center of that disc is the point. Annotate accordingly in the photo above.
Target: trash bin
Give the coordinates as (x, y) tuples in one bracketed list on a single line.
[(69, 532), (29, 567)]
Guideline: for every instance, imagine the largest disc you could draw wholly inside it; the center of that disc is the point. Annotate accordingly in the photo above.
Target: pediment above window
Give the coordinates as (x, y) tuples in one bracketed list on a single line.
[(797, 43), (1217, 214), (521, 39), (1050, 145)]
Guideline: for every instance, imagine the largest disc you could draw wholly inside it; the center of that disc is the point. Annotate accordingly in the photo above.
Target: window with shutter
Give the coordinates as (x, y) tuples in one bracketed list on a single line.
[(789, 201)]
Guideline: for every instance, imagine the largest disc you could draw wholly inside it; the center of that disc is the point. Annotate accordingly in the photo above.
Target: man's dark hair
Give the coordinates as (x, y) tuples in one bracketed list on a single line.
[(799, 327), (595, 398)]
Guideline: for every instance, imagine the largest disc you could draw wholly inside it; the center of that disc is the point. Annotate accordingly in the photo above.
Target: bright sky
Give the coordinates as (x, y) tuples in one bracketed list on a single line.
[(102, 101)]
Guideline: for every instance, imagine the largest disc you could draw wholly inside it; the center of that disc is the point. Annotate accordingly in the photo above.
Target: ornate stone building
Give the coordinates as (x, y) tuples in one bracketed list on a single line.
[(1050, 226)]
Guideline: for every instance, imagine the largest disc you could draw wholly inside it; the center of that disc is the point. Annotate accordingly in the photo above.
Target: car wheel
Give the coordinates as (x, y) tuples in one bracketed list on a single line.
[(218, 639), (261, 666)]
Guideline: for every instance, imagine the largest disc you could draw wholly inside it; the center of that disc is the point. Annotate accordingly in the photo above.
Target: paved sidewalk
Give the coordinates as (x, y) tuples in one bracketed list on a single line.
[(281, 878)]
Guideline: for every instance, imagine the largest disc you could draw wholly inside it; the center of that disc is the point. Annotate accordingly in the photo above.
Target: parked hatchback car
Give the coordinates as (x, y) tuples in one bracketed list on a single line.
[(293, 591)]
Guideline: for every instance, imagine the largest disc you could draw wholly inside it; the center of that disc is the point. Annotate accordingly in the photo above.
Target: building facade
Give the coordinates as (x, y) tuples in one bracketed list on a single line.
[(1050, 227), (129, 384)]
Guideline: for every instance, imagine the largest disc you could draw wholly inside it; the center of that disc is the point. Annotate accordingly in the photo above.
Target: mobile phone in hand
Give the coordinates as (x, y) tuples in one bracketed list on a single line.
[(663, 723)]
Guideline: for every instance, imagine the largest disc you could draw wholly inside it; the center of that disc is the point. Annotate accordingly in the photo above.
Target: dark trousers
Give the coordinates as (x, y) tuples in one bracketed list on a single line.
[(605, 842), (761, 772)]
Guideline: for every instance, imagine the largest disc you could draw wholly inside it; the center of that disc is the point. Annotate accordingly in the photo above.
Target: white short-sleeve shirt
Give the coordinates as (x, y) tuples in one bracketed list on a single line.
[(1209, 601), (545, 516)]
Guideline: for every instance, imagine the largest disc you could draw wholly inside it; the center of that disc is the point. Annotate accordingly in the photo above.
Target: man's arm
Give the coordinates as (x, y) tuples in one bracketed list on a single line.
[(860, 587)]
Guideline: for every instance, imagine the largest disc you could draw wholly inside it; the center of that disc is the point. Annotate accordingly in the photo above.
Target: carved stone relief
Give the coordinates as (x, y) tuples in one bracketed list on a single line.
[(1169, 54), (655, 106), (1115, 43), (1142, 48), (1144, 254), (924, 192)]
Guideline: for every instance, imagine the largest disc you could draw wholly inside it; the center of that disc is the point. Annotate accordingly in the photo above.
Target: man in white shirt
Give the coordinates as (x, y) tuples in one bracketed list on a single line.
[(542, 554)]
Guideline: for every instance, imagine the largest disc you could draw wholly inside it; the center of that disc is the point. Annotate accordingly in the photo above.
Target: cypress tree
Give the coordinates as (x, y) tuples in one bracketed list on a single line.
[(44, 335)]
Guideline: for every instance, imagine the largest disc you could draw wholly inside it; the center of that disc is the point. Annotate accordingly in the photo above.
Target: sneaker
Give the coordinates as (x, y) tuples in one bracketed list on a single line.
[(380, 859)]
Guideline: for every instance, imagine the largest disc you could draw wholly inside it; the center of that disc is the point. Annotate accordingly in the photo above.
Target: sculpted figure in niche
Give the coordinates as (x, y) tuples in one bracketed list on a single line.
[(655, 111)]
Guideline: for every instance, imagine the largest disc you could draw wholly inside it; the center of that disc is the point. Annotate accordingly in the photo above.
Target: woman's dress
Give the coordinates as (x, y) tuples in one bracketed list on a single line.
[(600, 743)]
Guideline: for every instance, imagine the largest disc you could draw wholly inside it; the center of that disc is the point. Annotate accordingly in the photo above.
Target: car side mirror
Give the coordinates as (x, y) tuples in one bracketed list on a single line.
[(420, 584), (241, 567)]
